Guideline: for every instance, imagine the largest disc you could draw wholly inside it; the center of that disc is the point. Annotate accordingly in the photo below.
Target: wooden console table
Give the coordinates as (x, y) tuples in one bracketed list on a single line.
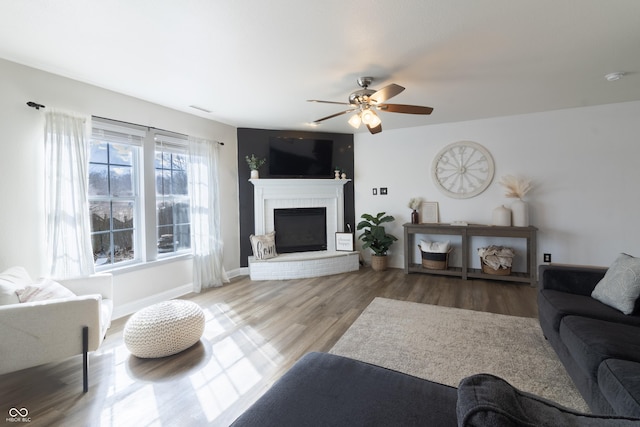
[(466, 232)]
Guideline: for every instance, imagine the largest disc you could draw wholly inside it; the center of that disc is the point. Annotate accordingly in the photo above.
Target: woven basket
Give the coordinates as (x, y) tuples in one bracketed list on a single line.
[(435, 260), (379, 262), (499, 272)]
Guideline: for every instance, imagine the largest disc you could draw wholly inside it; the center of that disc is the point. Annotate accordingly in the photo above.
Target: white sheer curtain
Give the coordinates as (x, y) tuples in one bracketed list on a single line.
[(68, 233), (208, 269)]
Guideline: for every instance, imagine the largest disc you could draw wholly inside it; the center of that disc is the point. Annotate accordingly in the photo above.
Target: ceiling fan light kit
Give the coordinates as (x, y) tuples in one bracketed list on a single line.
[(355, 121), (370, 118), (365, 101)]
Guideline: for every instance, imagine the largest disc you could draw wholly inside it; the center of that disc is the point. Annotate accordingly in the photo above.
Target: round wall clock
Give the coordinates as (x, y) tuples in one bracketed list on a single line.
[(462, 169)]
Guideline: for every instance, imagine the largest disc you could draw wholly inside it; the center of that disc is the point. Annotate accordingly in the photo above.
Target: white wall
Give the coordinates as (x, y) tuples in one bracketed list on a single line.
[(583, 161), (22, 185)]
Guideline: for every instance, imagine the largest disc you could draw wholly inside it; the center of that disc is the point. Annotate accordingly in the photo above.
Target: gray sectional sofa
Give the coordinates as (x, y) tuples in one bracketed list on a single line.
[(327, 390), (598, 344)]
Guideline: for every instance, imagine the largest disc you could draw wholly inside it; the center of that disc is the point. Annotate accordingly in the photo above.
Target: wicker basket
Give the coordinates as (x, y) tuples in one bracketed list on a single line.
[(499, 272), (435, 260)]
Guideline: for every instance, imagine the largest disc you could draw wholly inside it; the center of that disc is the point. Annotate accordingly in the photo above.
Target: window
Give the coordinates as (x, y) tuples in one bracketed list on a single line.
[(138, 194), (172, 195), (114, 195)]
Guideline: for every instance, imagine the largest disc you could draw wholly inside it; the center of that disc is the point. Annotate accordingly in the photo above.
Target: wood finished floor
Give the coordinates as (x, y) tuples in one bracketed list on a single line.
[(254, 332)]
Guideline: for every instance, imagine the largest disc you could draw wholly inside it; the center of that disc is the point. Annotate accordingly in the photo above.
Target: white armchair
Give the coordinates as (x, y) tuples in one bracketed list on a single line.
[(38, 332)]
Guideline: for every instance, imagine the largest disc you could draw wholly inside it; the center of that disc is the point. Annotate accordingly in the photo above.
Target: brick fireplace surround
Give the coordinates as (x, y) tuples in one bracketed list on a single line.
[(270, 194)]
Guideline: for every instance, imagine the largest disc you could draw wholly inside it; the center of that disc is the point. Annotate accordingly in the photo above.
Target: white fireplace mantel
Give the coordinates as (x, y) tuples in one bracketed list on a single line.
[(270, 194)]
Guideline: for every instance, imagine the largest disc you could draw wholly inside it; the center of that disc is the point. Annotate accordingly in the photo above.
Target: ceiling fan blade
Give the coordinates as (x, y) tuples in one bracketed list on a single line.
[(375, 130), (402, 108), (333, 115), (328, 102), (385, 93)]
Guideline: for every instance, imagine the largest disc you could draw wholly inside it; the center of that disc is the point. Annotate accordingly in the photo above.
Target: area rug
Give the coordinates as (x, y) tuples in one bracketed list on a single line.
[(445, 345)]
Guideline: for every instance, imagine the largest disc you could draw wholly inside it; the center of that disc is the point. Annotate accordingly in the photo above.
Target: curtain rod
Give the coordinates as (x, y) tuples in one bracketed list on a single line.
[(148, 127), (35, 105), (39, 106)]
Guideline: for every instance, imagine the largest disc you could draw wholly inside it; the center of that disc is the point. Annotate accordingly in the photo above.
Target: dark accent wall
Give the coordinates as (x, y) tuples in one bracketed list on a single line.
[(256, 141)]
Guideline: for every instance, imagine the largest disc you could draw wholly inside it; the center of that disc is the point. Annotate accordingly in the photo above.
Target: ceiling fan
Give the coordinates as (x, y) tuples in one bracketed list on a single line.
[(365, 101)]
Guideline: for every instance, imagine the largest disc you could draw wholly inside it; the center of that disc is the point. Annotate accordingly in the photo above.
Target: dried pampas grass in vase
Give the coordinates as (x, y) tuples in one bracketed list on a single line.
[(517, 187), (414, 203)]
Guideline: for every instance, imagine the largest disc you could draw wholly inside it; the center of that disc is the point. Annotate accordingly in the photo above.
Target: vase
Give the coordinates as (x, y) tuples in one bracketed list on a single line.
[(501, 216), (415, 217), (255, 174), (336, 174), (520, 212)]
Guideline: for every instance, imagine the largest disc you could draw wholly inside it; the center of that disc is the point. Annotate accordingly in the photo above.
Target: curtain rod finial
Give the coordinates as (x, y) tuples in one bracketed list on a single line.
[(35, 105)]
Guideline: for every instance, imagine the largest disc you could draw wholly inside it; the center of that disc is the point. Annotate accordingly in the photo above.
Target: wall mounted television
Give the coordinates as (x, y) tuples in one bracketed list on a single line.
[(300, 158)]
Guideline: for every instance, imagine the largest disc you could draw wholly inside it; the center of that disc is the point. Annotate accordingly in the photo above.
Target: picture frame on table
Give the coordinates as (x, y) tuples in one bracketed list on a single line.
[(429, 213), (344, 242)]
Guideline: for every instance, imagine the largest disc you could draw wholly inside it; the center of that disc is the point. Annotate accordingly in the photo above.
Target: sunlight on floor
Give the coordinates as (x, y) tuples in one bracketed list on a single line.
[(217, 391), (121, 413), (121, 378), (234, 368), (233, 361)]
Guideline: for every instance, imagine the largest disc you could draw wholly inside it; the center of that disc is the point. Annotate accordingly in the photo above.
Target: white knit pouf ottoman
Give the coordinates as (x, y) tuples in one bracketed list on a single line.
[(164, 329)]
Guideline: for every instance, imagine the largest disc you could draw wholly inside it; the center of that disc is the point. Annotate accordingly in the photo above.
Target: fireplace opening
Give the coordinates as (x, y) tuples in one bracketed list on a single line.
[(300, 229)]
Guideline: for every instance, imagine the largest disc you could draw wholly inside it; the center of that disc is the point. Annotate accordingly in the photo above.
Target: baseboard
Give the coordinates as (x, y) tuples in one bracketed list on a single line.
[(132, 307), (242, 271)]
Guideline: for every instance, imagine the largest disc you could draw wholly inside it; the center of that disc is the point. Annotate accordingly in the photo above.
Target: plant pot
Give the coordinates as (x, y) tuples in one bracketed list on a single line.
[(255, 174), (379, 262)]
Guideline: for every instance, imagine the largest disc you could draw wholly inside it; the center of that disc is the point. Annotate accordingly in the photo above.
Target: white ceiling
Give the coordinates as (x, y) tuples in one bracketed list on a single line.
[(254, 63)]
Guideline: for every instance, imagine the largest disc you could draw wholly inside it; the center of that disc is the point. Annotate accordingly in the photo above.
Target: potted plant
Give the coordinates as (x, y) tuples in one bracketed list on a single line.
[(414, 204), (517, 187), (376, 238), (255, 164)]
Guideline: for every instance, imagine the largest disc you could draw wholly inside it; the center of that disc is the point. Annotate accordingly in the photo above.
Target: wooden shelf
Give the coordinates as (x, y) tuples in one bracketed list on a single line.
[(476, 273), (451, 271), (466, 232)]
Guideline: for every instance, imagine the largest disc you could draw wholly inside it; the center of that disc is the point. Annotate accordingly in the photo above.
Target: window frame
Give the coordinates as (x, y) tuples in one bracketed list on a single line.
[(171, 145), (145, 198), (111, 134)]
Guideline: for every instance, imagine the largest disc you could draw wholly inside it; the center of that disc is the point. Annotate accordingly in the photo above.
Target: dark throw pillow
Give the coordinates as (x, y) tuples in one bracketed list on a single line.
[(488, 401)]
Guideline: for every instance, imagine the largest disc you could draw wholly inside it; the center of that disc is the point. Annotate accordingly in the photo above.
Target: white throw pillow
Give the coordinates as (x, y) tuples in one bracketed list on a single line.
[(43, 289), (264, 246), (10, 281), (620, 286)]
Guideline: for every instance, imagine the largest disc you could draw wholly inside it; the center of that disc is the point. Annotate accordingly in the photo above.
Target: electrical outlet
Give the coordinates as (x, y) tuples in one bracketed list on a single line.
[(383, 190), (375, 191), (546, 257)]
